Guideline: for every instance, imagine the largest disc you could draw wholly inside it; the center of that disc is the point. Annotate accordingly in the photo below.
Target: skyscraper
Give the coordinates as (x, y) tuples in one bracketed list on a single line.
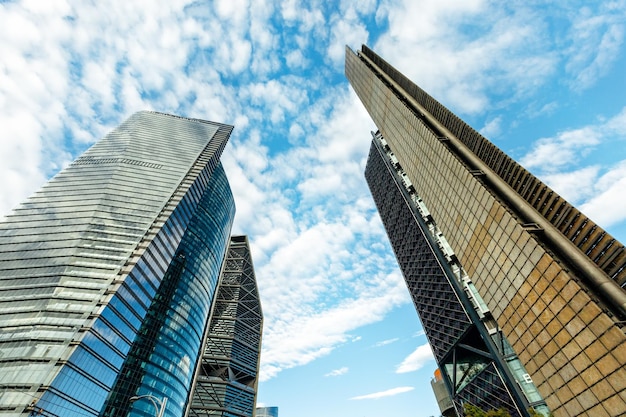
[(520, 294), (108, 273), (226, 378)]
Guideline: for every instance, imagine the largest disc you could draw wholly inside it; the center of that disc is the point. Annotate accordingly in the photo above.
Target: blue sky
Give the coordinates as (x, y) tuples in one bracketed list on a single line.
[(544, 81)]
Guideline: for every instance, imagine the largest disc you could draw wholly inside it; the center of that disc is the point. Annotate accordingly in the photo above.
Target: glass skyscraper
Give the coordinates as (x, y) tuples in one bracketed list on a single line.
[(108, 273), (521, 295)]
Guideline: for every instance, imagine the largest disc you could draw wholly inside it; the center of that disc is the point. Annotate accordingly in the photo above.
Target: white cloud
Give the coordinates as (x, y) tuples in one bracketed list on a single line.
[(617, 125), (307, 17), (383, 394), (345, 31), (304, 330), (595, 42), (32, 88), (574, 185), (492, 128), (416, 360), (421, 21), (338, 372), (606, 207), (419, 333), (357, 7), (73, 70), (295, 59), (276, 98), (508, 52), (461, 76), (386, 342), (553, 153)]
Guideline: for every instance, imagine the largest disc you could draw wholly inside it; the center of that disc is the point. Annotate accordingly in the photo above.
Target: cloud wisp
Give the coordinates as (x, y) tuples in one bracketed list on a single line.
[(386, 342), (338, 372), (382, 394)]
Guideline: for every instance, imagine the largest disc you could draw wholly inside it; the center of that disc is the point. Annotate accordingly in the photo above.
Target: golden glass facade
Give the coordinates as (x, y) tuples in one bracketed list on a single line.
[(549, 275)]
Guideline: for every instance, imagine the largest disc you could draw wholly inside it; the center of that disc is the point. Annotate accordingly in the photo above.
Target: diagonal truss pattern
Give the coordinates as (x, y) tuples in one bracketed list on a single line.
[(226, 378)]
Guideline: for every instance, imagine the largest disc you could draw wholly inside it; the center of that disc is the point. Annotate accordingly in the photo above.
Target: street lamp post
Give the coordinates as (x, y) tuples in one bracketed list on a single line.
[(160, 408)]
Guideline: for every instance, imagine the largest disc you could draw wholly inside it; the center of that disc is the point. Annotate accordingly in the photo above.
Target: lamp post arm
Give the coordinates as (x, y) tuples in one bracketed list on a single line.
[(160, 408)]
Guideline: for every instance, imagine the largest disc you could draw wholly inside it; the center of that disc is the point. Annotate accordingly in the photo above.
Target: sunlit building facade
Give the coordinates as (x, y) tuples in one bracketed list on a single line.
[(520, 294), (108, 273), (226, 380)]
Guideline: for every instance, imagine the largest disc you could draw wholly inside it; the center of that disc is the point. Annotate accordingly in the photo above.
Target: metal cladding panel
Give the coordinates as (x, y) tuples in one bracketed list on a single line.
[(67, 253)]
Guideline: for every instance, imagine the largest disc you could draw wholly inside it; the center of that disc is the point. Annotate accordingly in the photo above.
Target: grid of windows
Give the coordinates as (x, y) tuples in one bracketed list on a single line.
[(162, 360), (487, 391), (92, 247), (267, 412), (462, 355), (543, 303), (598, 245)]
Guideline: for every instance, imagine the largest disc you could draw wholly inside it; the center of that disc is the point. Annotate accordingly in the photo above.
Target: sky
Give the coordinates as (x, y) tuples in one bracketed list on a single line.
[(545, 81)]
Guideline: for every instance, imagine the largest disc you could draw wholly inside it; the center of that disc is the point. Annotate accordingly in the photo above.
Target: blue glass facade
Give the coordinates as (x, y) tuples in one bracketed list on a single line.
[(163, 360), (143, 219)]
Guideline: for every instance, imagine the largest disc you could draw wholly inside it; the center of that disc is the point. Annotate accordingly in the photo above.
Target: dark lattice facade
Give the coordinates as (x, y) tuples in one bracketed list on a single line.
[(445, 319), (226, 380)]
